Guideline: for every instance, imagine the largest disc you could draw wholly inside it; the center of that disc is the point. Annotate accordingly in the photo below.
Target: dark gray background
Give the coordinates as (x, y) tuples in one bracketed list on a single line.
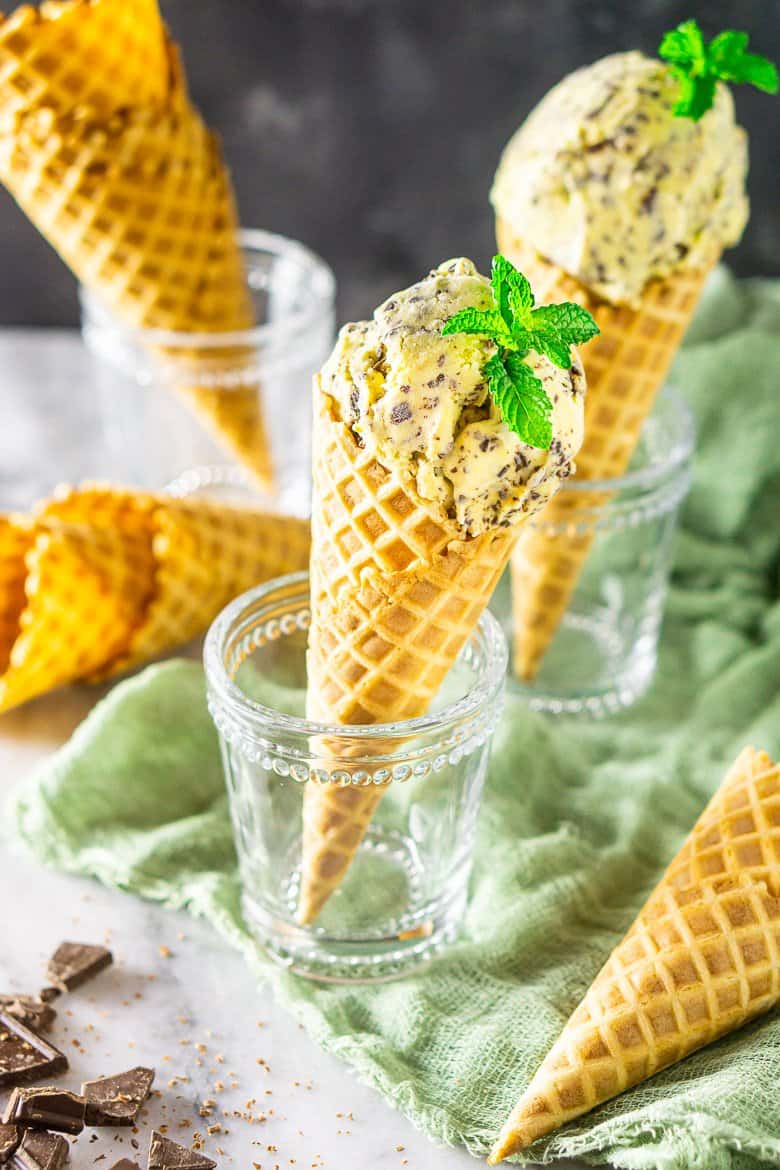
[(370, 129)]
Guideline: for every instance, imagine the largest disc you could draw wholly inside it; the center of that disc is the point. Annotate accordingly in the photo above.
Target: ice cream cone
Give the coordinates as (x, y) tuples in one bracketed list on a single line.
[(205, 555), (626, 367), (395, 594), (133, 192), (86, 591), (700, 960), (91, 54), (115, 577), (16, 538)]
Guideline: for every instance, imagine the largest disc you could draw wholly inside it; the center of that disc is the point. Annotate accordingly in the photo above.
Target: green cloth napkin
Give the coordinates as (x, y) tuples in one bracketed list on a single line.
[(578, 821)]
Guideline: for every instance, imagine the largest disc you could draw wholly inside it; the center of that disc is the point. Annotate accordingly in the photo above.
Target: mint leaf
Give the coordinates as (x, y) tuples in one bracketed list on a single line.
[(730, 61), (484, 322), (683, 45), (569, 321), (516, 326), (522, 400), (698, 67)]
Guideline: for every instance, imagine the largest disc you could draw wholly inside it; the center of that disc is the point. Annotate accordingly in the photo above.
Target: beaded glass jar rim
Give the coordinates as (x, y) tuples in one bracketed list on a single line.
[(321, 287), (648, 478), (253, 716)]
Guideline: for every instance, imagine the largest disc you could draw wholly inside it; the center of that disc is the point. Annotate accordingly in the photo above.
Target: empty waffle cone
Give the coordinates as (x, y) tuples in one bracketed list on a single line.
[(85, 593), (129, 186), (103, 579), (700, 960), (626, 366), (91, 54), (395, 595)]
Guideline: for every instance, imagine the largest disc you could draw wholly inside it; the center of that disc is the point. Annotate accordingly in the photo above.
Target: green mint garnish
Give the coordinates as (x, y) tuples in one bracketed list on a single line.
[(516, 327), (699, 66)]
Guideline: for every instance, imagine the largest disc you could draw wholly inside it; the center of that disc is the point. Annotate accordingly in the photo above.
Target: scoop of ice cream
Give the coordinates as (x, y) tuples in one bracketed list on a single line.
[(604, 180), (420, 403)]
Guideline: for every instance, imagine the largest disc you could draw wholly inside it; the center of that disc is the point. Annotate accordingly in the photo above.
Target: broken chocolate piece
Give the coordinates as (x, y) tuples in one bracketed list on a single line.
[(50, 1108), (49, 994), (32, 1012), (125, 1164), (41, 1151), (24, 1055), (74, 963), (167, 1155), (116, 1100), (10, 1137)]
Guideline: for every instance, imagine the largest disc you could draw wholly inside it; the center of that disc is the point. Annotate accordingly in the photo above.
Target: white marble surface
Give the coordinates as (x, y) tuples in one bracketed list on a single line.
[(153, 1007)]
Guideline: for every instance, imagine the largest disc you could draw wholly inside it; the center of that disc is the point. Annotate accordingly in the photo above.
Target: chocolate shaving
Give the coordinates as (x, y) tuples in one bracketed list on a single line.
[(41, 1151), (50, 1108), (167, 1155), (74, 963), (24, 1055), (116, 1100)]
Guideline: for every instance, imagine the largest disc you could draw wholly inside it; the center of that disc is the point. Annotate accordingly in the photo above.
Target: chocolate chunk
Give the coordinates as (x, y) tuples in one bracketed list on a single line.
[(49, 1108), (24, 1055), (167, 1155), (10, 1137), (125, 1164), (48, 994), (116, 1100), (32, 1012), (74, 963), (41, 1151)]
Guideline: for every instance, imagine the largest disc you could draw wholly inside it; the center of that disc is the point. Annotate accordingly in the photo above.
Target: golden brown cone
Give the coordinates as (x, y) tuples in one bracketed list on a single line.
[(626, 366), (136, 198), (701, 959), (86, 591), (114, 578), (395, 594), (95, 54)]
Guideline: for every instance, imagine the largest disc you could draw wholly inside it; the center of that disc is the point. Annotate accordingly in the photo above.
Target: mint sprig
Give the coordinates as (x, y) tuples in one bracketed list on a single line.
[(516, 326), (699, 66)]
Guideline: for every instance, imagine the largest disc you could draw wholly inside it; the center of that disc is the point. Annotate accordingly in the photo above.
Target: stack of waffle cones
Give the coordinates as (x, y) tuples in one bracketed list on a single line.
[(99, 580), (396, 592), (701, 959), (626, 367), (102, 148)]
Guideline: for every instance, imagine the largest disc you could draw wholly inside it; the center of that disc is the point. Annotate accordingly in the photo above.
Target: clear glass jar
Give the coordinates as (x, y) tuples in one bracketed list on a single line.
[(148, 380), (601, 554), (404, 894)]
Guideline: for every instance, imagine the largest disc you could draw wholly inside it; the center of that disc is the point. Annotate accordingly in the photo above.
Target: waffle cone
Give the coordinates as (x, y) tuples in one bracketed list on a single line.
[(93, 54), (701, 960), (85, 593), (101, 580), (131, 189), (626, 366), (16, 538), (205, 555), (395, 595)]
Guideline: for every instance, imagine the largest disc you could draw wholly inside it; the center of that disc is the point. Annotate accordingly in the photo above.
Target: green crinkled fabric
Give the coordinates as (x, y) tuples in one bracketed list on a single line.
[(578, 821)]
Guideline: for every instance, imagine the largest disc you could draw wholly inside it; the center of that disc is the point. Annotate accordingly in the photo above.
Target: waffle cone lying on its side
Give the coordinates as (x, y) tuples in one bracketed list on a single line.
[(701, 960), (102, 148), (627, 365), (99, 580)]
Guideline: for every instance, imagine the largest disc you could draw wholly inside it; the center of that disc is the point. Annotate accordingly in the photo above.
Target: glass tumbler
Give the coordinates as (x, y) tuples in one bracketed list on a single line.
[(610, 544), (145, 376), (404, 895)]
